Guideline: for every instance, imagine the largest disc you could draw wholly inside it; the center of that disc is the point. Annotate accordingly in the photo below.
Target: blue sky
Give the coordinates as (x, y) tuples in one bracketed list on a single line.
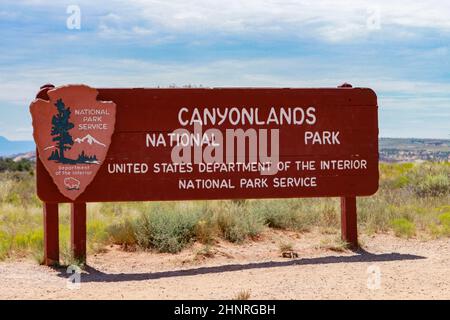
[(398, 48)]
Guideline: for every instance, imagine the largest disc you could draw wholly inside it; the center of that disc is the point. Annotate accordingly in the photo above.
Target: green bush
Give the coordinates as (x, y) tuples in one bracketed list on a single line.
[(166, 231), (395, 176), (97, 234), (123, 233), (433, 186), (288, 220), (8, 164), (401, 181), (284, 214), (403, 227), (444, 218), (5, 245), (236, 224), (18, 188), (205, 230), (29, 240)]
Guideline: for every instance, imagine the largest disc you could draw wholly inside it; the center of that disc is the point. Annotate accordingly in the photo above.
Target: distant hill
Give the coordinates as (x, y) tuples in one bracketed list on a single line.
[(391, 149), (31, 156), (413, 149), (9, 148)]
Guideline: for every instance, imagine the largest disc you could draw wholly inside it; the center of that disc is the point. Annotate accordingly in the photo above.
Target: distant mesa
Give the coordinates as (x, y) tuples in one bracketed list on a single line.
[(31, 156), (391, 149), (9, 148)]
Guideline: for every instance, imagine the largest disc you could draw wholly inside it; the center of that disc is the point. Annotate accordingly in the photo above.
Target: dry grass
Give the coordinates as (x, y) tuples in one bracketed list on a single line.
[(204, 253), (285, 247), (334, 244), (242, 295)]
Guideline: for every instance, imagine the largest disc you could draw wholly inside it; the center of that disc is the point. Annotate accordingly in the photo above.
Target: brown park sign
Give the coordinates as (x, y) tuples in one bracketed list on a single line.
[(223, 143)]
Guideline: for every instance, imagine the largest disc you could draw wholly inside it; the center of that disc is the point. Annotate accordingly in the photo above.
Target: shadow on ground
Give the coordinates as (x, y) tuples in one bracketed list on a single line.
[(91, 274)]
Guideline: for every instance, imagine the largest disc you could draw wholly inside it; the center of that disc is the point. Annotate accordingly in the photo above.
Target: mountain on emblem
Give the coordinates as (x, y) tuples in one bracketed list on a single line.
[(73, 132), (90, 140)]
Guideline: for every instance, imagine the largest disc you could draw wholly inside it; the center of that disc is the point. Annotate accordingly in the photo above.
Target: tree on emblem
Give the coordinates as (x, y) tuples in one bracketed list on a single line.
[(60, 132), (64, 141)]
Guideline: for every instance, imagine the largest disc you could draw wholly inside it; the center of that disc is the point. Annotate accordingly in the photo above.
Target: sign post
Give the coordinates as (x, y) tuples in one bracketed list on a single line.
[(142, 144), (78, 230), (51, 233), (349, 230)]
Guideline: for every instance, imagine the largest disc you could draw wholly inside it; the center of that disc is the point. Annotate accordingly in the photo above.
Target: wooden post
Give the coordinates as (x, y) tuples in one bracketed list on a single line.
[(78, 231), (51, 234), (349, 221)]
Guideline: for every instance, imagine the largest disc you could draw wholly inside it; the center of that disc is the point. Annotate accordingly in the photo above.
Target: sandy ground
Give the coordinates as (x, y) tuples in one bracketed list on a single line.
[(408, 269)]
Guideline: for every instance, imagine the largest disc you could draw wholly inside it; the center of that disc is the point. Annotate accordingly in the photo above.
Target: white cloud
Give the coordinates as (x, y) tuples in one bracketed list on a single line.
[(327, 20), (331, 20), (20, 84)]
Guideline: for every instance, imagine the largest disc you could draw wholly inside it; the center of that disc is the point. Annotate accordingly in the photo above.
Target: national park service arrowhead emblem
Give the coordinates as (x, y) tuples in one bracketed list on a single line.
[(72, 131)]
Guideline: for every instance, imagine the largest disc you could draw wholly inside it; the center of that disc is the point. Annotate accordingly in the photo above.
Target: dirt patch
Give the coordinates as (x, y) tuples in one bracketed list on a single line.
[(408, 269)]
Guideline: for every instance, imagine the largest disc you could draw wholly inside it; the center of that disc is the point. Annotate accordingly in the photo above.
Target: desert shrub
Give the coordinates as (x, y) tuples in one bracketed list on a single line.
[(205, 252), (285, 246), (65, 252), (25, 243), (284, 214), (239, 202), (433, 186), (235, 223), (97, 234), (410, 191), (18, 188), (123, 233), (6, 186), (31, 240), (444, 219), (205, 230), (395, 176), (425, 179), (330, 217), (242, 295), (403, 227), (401, 181), (8, 164), (20, 230), (166, 231), (374, 215), (334, 244), (275, 218), (5, 244)]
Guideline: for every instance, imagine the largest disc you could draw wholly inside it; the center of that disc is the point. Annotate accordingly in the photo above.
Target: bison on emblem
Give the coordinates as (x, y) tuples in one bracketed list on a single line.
[(72, 183)]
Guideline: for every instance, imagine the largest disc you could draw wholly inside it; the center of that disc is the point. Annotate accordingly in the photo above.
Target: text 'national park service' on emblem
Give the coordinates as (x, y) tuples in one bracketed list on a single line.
[(72, 131)]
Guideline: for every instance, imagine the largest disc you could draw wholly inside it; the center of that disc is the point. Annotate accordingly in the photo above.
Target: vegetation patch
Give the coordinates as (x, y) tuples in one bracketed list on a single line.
[(166, 231), (413, 200), (242, 295), (403, 227)]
